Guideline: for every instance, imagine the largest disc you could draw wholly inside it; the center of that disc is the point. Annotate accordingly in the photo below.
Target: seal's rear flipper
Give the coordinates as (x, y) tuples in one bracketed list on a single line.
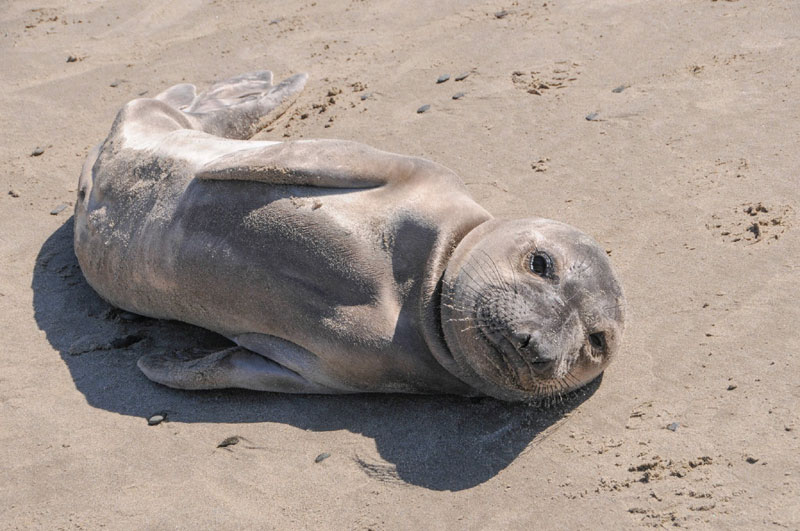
[(232, 367), (179, 96)]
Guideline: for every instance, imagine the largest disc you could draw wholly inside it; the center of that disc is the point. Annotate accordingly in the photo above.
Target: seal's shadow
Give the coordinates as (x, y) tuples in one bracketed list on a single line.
[(437, 442)]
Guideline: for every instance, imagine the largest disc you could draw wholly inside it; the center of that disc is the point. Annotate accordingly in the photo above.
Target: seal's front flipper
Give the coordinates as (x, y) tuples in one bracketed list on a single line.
[(322, 163), (232, 367)]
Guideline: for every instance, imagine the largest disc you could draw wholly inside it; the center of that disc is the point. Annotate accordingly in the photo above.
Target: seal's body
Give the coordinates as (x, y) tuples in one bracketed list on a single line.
[(323, 260)]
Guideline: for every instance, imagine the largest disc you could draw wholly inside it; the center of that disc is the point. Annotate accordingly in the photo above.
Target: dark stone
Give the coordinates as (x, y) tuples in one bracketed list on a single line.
[(230, 441)]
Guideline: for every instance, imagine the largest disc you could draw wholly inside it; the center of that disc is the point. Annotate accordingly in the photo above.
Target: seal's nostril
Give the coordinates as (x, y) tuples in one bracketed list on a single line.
[(525, 341), (597, 340)]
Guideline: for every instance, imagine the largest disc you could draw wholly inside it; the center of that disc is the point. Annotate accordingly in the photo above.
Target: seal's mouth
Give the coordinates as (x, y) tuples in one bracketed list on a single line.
[(520, 363)]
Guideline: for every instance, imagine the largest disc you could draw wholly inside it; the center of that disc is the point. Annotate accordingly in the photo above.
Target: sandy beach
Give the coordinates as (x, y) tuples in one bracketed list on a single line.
[(669, 130)]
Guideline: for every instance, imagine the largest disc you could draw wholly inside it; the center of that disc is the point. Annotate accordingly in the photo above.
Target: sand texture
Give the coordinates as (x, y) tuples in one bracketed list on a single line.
[(667, 129)]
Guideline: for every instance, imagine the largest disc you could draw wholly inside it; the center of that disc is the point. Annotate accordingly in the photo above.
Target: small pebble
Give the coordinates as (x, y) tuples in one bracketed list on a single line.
[(731, 387), (36, 152), (458, 95), (752, 460), (71, 59), (462, 76), (592, 116), (115, 83), (13, 193), (366, 96), (230, 441), (274, 21), (619, 89), (57, 210), (157, 419), (322, 457), (443, 78), (674, 426), (423, 109), (501, 14)]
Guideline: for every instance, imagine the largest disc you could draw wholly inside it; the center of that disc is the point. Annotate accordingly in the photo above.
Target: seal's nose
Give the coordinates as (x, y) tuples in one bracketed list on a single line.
[(527, 345), (598, 340)]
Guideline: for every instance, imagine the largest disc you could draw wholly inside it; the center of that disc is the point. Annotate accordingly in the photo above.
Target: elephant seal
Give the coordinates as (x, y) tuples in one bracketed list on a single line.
[(334, 267)]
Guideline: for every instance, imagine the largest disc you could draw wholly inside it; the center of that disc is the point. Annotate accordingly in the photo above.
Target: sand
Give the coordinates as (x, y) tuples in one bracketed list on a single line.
[(667, 129)]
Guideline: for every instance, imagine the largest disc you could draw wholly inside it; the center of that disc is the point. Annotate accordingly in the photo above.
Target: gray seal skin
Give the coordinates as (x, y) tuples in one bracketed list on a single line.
[(334, 267)]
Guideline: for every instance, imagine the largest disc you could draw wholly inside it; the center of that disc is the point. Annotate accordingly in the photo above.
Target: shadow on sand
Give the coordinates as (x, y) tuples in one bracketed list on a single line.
[(436, 442)]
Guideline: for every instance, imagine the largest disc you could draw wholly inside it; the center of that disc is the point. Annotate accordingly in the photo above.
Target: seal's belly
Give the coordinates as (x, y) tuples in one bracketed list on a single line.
[(260, 248), (335, 271)]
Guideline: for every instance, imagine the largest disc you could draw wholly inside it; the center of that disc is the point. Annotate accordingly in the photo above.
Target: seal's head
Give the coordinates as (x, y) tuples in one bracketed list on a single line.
[(530, 309)]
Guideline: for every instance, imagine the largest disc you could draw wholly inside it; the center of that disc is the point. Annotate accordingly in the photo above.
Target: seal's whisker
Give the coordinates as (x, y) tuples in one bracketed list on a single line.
[(481, 279), (478, 262), (513, 275), (615, 306), (497, 274), (525, 362), (456, 320), (468, 304), (458, 309), (584, 266), (477, 293), (572, 298), (496, 270), (451, 297), (474, 270), (579, 268), (493, 360)]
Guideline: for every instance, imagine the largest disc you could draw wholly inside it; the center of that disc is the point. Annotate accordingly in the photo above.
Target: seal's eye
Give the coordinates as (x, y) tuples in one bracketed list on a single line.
[(541, 264)]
